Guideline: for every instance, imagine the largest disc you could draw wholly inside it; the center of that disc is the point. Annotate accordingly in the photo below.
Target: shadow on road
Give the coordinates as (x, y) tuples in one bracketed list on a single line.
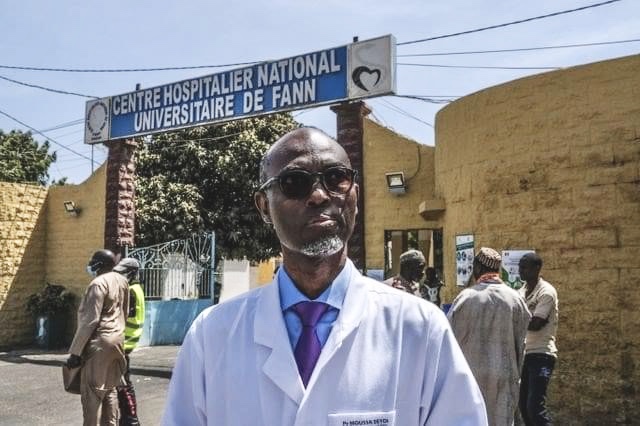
[(149, 372), (26, 358), (23, 358)]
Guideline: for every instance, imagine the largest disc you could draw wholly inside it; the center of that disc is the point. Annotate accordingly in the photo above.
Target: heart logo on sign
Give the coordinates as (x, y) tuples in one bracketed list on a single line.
[(366, 78)]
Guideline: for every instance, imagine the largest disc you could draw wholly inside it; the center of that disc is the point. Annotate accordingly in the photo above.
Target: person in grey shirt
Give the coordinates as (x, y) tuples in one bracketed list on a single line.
[(541, 351)]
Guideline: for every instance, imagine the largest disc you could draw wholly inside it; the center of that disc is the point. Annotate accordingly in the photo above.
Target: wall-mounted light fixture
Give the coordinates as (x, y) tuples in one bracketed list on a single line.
[(396, 182), (71, 208)]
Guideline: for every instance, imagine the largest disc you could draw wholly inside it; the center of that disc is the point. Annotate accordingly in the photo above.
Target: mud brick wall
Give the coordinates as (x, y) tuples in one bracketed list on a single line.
[(386, 151), (552, 162), (22, 250), (350, 134), (119, 202), (40, 242), (71, 240)]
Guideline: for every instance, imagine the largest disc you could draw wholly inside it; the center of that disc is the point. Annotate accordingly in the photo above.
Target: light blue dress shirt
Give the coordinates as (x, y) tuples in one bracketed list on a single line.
[(332, 296)]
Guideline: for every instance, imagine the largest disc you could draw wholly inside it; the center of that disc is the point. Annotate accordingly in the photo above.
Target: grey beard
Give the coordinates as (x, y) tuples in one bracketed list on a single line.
[(323, 247)]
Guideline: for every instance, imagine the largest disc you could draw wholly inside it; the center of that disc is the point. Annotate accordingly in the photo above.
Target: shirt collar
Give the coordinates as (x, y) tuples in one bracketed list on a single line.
[(535, 287), (489, 278), (332, 295)]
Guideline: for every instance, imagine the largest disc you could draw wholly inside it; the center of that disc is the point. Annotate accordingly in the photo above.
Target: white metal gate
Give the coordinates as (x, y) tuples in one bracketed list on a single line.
[(179, 269)]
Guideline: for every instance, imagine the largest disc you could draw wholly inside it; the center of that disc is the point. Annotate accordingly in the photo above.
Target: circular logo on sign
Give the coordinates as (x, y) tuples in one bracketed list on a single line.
[(97, 118)]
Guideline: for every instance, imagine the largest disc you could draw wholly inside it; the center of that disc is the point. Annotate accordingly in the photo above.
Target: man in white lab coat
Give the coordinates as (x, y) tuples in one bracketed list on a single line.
[(322, 344)]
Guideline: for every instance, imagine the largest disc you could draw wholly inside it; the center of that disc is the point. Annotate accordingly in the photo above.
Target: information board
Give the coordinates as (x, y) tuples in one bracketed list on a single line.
[(464, 259), (509, 270)]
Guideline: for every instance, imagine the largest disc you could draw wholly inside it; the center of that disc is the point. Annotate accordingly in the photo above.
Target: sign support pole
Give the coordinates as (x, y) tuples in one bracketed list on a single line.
[(119, 224), (350, 134)]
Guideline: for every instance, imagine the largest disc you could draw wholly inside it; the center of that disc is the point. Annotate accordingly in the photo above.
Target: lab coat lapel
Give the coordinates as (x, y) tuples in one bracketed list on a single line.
[(270, 331), (349, 318)]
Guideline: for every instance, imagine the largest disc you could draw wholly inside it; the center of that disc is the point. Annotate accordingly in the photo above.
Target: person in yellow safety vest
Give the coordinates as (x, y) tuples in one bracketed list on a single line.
[(135, 318), (129, 267)]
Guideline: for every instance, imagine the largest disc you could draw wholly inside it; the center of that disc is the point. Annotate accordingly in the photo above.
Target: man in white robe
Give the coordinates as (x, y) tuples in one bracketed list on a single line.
[(490, 322)]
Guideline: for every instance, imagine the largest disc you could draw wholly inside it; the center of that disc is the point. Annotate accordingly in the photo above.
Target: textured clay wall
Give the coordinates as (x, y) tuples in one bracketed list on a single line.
[(552, 162), (40, 243), (386, 151), (22, 250), (71, 240)]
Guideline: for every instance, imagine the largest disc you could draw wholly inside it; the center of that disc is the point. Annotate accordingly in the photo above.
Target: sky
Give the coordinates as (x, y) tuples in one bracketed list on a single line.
[(148, 34)]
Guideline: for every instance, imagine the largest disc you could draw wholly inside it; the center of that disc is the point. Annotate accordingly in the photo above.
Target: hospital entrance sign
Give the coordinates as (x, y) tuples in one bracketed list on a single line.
[(359, 70)]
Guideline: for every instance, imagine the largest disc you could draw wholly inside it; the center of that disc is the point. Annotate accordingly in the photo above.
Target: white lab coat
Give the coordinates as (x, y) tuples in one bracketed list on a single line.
[(391, 359)]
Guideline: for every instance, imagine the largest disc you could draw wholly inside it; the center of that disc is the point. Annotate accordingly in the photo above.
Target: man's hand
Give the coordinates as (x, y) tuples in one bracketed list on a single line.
[(537, 323), (74, 361)]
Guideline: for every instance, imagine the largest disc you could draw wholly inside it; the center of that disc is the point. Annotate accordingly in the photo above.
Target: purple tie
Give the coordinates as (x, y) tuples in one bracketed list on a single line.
[(308, 347)]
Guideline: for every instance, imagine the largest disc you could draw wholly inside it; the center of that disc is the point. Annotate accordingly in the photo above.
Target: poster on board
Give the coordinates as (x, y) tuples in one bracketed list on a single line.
[(464, 259), (509, 269)]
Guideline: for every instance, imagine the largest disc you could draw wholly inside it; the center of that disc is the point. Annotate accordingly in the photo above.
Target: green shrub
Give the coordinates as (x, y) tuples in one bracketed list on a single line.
[(53, 299)]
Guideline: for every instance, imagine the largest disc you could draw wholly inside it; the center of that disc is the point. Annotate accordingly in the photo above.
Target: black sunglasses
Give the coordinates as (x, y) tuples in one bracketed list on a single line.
[(298, 184)]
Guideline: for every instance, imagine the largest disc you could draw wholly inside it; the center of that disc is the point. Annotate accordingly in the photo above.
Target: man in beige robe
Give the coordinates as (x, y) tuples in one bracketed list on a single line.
[(98, 341), (490, 322)]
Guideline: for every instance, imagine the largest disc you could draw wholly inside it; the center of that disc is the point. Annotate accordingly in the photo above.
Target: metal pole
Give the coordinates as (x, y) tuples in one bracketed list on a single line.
[(212, 275), (185, 262)]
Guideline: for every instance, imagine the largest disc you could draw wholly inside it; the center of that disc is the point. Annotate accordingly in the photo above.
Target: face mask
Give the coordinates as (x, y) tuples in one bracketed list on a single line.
[(92, 268), (91, 272)]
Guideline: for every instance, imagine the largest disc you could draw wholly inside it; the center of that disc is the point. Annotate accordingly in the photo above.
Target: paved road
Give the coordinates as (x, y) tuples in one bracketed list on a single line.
[(31, 390)]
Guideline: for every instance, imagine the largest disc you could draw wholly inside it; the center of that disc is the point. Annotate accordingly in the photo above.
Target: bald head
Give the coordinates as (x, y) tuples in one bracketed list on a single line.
[(102, 261), (308, 193), (296, 143)]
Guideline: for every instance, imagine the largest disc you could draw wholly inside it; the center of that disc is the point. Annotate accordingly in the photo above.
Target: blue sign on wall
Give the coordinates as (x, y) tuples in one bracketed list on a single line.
[(359, 70)]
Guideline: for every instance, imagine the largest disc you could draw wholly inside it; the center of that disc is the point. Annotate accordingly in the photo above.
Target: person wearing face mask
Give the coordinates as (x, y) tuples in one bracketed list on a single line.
[(97, 345), (129, 267)]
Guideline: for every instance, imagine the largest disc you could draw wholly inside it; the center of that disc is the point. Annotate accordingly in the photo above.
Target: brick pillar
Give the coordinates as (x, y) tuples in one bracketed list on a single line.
[(350, 131), (119, 224)]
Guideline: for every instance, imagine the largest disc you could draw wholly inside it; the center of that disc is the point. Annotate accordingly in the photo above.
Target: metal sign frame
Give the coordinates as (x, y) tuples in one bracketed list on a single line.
[(359, 70)]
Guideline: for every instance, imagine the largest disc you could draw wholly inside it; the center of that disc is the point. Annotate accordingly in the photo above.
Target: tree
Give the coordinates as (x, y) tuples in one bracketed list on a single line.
[(203, 179), (22, 159)]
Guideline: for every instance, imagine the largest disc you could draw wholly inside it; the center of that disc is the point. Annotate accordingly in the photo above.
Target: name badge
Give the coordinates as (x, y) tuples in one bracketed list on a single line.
[(386, 418)]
